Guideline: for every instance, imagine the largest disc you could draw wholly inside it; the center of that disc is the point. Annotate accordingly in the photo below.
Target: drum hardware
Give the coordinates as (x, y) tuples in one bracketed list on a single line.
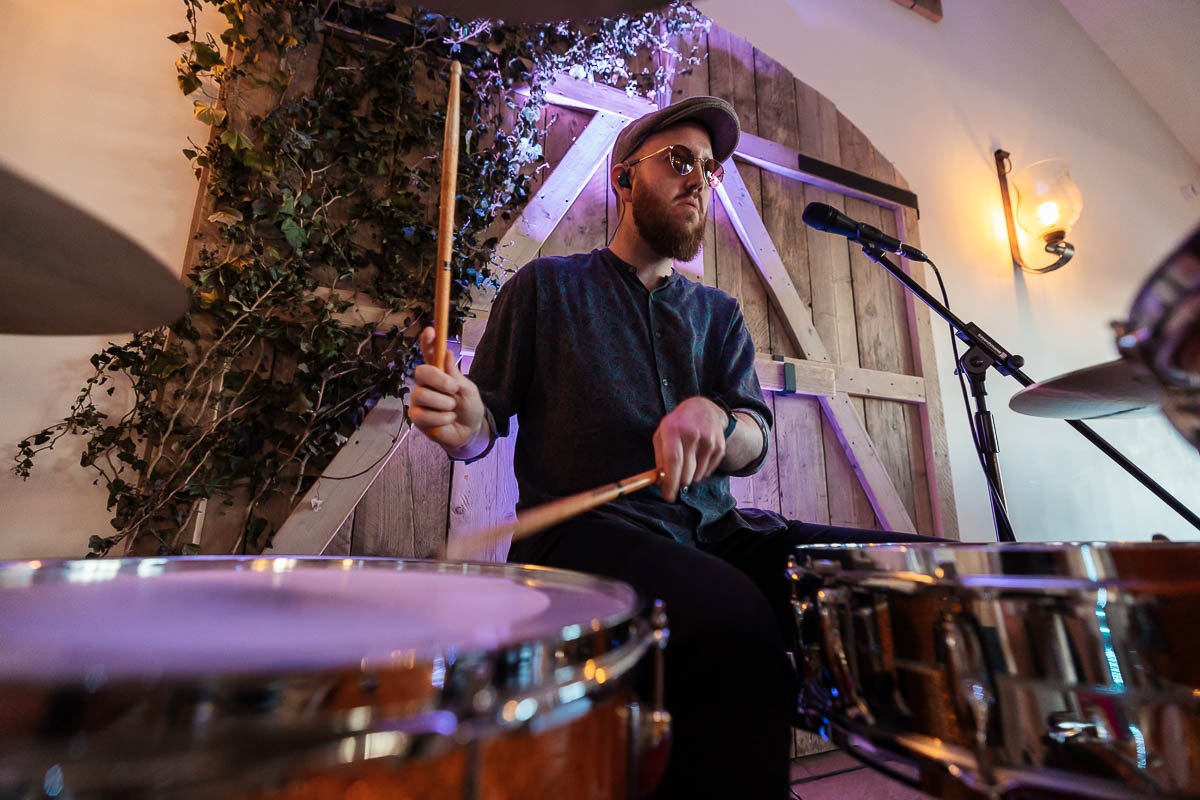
[(985, 352), (64, 272), (650, 733), (316, 673), (1006, 670)]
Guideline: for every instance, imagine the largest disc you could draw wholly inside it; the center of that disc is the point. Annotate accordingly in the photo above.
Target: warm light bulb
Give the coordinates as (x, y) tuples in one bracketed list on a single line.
[(1048, 201), (1047, 213)]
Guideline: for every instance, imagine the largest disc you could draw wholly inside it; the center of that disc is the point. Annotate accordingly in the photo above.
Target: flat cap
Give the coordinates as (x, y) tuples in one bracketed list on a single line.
[(716, 115)]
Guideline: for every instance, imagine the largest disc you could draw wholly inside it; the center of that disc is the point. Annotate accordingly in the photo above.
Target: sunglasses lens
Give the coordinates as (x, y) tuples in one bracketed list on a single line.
[(682, 160), (713, 172)]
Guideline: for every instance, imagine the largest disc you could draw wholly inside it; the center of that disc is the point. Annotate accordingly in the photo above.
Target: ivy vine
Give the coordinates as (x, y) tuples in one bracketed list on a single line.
[(321, 181)]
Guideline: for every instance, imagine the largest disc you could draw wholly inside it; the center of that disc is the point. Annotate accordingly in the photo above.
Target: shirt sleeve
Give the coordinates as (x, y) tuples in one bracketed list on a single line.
[(503, 364), (738, 386)]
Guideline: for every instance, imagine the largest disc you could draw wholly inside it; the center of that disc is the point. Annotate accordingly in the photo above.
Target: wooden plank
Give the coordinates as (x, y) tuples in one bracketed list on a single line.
[(799, 447), (781, 159), (932, 413), (580, 228), (404, 514), (867, 464), (812, 378), (731, 76), (570, 92), (879, 332), (571, 174), (914, 430), (342, 541), (743, 216), (329, 503), (832, 305), (484, 494), (860, 382)]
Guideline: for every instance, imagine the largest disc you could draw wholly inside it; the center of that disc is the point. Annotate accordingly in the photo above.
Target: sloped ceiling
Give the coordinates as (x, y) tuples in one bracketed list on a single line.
[(1156, 46)]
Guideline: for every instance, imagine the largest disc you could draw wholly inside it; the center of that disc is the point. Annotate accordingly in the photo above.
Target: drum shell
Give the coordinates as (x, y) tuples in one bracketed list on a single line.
[(534, 716), (1059, 669)]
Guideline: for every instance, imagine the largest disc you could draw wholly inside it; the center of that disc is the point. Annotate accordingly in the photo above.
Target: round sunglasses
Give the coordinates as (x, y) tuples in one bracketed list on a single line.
[(684, 161)]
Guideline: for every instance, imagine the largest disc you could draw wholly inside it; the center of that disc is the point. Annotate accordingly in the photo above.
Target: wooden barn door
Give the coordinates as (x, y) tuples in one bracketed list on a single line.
[(846, 356)]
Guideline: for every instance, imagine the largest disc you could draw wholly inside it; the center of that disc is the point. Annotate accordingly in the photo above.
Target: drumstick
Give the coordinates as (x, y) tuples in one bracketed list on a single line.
[(441, 294), (556, 512)]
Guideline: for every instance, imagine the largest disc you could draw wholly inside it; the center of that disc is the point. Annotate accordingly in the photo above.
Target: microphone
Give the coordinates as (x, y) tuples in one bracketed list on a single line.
[(825, 217)]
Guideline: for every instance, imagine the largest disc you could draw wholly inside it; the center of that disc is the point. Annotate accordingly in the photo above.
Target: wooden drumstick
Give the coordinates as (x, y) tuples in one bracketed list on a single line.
[(556, 512), (441, 294)]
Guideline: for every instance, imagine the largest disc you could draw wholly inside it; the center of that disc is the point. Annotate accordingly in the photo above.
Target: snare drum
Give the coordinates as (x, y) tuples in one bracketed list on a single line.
[(1011, 670), (316, 678)]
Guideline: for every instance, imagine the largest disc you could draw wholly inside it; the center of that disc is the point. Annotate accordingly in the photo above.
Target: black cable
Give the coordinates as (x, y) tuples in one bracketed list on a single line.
[(976, 437)]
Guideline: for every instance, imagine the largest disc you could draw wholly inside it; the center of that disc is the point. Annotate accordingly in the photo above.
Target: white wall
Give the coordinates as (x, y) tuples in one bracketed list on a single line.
[(937, 99), (88, 107)]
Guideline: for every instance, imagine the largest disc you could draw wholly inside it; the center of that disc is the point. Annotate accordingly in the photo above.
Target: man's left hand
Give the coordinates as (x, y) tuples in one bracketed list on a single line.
[(689, 444)]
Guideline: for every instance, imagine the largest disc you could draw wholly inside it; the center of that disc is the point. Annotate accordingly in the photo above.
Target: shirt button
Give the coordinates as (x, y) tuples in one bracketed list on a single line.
[(683, 490), (666, 382), (658, 334)]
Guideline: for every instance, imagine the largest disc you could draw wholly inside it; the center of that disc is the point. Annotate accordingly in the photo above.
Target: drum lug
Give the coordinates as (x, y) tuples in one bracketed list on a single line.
[(970, 686), (650, 731)]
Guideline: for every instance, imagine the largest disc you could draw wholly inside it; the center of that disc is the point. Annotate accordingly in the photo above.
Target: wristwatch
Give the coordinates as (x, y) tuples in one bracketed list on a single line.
[(732, 419)]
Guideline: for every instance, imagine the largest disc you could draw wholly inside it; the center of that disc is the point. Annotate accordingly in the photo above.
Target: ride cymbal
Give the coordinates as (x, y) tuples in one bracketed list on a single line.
[(1117, 388), (64, 272)]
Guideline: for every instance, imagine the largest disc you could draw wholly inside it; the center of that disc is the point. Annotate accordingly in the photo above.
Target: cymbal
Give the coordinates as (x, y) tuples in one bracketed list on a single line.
[(1121, 388), (63, 271)]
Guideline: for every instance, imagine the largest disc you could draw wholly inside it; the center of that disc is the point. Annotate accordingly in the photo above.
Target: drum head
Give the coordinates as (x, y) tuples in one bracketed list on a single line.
[(218, 677), (166, 618)]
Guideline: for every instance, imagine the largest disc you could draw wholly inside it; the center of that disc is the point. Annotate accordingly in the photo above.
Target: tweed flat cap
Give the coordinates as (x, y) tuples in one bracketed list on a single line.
[(716, 115)]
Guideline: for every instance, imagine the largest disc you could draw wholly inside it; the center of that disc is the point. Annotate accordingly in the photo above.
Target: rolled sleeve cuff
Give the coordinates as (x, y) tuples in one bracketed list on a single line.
[(755, 465), (490, 421)]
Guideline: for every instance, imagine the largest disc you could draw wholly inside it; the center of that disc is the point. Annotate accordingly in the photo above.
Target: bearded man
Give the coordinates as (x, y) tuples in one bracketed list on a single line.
[(613, 363)]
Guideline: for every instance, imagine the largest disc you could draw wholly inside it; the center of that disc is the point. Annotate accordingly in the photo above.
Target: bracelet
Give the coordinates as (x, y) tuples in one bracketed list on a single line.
[(732, 419)]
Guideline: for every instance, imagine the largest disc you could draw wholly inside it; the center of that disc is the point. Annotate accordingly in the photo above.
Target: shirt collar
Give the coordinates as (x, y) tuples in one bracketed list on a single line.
[(628, 269)]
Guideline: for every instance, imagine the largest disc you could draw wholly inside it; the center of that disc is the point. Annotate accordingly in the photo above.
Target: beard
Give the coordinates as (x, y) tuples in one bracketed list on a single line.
[(666, 236)]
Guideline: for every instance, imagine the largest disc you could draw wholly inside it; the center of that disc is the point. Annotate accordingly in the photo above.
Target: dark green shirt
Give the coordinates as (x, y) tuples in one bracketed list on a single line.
[(590, 361)]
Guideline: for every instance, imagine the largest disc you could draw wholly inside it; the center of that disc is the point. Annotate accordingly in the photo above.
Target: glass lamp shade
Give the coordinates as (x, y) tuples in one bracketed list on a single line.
[(1048, 201)]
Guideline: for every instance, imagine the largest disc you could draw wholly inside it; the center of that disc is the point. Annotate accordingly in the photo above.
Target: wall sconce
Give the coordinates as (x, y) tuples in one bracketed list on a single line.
[(1047, 205)]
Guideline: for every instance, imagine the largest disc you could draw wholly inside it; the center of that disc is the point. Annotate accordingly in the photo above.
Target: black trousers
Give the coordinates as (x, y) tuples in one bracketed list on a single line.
[(730, 686)]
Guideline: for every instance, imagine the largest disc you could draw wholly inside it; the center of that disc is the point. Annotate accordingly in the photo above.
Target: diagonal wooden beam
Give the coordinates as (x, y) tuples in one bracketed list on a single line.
[(877, 484), (744, 216), (330, 502), (546, 209)]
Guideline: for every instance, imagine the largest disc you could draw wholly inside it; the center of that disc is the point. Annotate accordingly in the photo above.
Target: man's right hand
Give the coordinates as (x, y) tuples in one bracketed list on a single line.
[(446, 406)]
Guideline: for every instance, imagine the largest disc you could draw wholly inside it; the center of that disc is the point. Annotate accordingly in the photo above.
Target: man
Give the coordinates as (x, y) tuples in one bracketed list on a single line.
[(614, 363)]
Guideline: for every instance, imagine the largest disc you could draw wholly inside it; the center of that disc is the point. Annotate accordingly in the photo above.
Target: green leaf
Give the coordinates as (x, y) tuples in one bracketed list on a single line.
[(180, 38), (209, 115), (295, 235), (206, 55), (188, 82), (236, 140)]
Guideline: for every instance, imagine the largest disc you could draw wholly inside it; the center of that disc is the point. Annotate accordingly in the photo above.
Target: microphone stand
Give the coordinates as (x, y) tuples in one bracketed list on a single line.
[(984, 352)]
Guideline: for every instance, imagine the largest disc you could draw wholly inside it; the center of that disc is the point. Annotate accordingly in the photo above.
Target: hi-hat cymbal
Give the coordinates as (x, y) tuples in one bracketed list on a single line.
[(63, 271), (1122, 388)]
